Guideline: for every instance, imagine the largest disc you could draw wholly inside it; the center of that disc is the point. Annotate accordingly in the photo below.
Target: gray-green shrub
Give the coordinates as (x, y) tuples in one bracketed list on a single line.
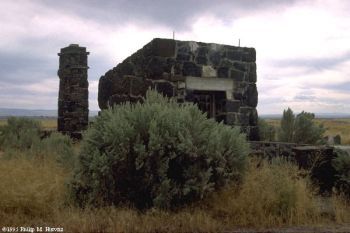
[(286, 133), (341, 165), (60, 147), (19, 133), (158, 153)]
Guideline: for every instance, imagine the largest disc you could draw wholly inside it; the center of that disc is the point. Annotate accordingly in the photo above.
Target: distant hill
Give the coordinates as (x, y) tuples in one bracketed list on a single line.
[(6, 112)]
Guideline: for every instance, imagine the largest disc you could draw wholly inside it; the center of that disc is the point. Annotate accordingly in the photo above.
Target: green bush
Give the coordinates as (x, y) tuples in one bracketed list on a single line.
[(60, 147), (300, 128), (19, 133), (158, 153), (287, 126), (341, 165), (266, 131)]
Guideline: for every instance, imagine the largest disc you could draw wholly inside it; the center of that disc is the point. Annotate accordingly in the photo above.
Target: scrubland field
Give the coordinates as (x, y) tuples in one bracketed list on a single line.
[(46, 123), (34, 192)]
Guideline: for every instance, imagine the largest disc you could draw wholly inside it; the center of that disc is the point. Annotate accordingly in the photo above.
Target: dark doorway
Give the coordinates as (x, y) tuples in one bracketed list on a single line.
[(209, 102)]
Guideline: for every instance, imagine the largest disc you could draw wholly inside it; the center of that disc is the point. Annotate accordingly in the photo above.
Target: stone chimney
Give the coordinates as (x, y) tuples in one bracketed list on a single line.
[(73, 97)]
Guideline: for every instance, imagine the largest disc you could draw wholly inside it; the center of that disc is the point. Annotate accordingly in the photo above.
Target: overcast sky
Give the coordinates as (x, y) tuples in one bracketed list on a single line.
[(303, 46)]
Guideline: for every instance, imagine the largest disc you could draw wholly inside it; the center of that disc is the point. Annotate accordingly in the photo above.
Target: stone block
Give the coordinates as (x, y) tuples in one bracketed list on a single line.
[(121, 85), (183, 57), (138, 86), (163, 47), (181, 85), (244, 120), (252, 95), (231, 105), (242, 66), (202, 51), (118, 99), (237, 75), (166, 88), (234, 55), (183, 47), (232, 118), (202, 60), (252, 77), (155, 67), (177, 68), (226, 63), (191, 69), (126, 68), (224, 72), (253, 117), (215, 58), (208, 71), (252, 66), (249, 55)]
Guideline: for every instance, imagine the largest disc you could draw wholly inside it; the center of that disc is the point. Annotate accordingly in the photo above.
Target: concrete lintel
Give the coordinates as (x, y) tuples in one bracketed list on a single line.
[(210, 84)]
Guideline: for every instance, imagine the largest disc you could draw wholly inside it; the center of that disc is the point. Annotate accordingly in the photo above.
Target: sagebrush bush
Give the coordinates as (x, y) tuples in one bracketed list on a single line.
[(341, 165), (19, 133), (58, 146), (158, 153)]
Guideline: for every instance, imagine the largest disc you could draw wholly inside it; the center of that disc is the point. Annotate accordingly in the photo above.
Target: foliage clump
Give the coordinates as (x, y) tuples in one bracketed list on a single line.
[(158, 153), (300, 128), (58, 146), (19, 133), (22, 134), (341, 165)]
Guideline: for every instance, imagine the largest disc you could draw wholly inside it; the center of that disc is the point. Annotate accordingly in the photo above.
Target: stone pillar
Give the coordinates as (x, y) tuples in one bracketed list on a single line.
[(73, 101)]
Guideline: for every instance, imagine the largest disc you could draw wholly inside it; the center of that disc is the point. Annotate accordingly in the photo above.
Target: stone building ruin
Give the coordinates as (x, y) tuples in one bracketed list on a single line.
[(73, 101), (220, 79)]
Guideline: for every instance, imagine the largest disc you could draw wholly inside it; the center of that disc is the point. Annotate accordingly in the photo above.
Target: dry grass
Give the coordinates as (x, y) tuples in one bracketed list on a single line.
[(33, 193), (30, 188), (341, 209), (333, 126), (271, 195)]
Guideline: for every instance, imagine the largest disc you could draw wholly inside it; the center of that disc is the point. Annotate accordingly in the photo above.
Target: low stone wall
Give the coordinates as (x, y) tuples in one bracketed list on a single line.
[(315, 159), (221, 79)]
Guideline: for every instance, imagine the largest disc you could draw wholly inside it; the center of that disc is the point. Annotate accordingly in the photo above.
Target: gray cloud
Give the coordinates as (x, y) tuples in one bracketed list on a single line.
[(345, 87), (33, 58), (174, 14), (21, 68), (305, 97), (315, 63)]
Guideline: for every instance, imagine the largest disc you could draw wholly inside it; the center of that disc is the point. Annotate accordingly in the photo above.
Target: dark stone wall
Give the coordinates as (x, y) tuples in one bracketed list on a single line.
[(73, 103), (164, 64)]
